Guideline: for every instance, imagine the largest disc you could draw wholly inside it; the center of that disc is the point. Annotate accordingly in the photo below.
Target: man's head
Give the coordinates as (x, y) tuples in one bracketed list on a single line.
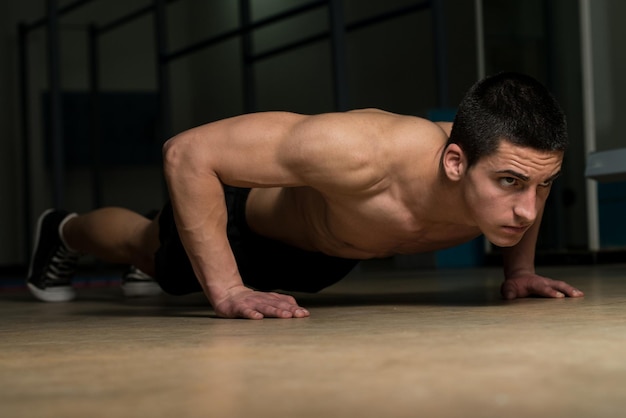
[(505, 150), (509, 106)]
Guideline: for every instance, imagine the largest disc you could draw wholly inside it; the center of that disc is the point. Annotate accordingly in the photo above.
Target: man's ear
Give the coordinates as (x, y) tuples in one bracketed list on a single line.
[(454, 162)]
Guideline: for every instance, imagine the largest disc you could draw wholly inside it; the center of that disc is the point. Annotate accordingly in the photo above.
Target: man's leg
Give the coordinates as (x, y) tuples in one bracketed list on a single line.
[(114, 235)]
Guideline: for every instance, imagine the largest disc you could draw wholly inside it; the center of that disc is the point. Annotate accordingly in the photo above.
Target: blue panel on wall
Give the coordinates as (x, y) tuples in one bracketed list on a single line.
[(612, 214), (442, 114), (470, 254)]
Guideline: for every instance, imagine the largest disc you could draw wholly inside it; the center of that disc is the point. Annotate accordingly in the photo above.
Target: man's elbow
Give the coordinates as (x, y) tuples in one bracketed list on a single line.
[(184, 156), (176, 152)]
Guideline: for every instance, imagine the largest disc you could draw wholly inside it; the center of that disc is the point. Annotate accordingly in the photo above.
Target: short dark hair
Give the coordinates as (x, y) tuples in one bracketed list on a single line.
[(510, 106)]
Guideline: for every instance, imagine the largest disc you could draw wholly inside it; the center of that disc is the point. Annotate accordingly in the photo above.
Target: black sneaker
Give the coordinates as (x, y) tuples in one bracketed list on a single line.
[(52, 264), (136, 283)]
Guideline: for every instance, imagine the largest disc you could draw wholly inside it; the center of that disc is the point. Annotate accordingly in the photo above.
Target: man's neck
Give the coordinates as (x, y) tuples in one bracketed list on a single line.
[(445, 202)]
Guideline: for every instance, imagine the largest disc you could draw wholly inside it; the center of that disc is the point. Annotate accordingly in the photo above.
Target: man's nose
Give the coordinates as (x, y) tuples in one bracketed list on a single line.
[(525, 207)]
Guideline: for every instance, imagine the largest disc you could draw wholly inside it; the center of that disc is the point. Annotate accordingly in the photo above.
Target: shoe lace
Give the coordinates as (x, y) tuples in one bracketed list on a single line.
[(62, 265)]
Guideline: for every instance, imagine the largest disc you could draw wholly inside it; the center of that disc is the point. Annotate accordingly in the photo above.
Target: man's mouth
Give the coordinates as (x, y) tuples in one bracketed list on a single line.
[(515, 229)]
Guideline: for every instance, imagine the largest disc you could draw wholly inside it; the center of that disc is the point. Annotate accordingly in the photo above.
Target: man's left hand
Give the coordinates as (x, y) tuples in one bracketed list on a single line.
[(534, 285)]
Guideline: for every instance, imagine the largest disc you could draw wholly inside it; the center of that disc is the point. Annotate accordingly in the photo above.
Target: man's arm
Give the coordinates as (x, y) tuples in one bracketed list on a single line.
[(519, 271), (196, 164), (256, 150)]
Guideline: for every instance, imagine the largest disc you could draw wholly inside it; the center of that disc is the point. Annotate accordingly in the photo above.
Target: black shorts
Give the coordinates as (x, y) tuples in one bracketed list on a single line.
[(264, 264)]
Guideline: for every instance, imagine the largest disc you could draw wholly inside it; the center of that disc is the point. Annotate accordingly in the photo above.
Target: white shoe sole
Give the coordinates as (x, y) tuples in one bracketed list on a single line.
[(53, 294), (139, 289)]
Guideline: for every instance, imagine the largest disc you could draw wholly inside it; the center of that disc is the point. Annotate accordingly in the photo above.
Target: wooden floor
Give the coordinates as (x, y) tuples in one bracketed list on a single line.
[(383, 344)]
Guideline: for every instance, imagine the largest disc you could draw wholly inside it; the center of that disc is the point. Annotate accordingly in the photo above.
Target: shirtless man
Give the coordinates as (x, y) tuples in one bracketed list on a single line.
[(325, 191)]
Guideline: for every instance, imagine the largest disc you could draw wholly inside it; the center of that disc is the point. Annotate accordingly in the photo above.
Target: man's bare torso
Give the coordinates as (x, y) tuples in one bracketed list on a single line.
[(398, 215)]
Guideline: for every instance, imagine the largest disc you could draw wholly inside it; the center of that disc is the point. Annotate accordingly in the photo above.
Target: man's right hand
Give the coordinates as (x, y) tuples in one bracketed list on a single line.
[(242, 302)]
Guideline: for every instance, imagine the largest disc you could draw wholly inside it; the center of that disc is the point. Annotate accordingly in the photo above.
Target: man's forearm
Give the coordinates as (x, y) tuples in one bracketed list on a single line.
[(200, 213)]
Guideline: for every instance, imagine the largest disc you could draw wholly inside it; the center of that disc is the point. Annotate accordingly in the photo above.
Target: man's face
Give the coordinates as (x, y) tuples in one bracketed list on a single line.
[(506, 191)]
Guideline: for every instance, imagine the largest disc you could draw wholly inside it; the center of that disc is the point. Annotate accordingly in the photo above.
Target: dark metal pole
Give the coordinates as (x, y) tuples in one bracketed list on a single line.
[(95, 117), (249, 87), (59, 11), (229, 34), (322, 36), (338, 46), (163, 79), (26, 177), (441, 58), (164, 126), (556, 208), (56, 107)]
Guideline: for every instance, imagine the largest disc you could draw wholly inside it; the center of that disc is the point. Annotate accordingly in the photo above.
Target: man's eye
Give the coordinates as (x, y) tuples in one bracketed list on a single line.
[(508, 181), (546, 183)]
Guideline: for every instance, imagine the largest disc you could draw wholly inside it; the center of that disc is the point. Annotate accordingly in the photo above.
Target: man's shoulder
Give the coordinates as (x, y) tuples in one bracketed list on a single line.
[(406, 121), (371, 132), (445, 126)]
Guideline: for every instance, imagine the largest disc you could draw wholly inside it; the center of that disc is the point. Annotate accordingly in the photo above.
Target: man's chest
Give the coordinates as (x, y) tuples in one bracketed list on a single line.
[(385, 228)]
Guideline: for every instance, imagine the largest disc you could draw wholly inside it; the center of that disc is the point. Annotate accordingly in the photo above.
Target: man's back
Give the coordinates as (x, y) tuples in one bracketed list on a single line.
[(376, 189)]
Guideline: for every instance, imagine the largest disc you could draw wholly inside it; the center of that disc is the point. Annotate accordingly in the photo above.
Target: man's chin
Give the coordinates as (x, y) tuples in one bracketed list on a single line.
[(501, 241)]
